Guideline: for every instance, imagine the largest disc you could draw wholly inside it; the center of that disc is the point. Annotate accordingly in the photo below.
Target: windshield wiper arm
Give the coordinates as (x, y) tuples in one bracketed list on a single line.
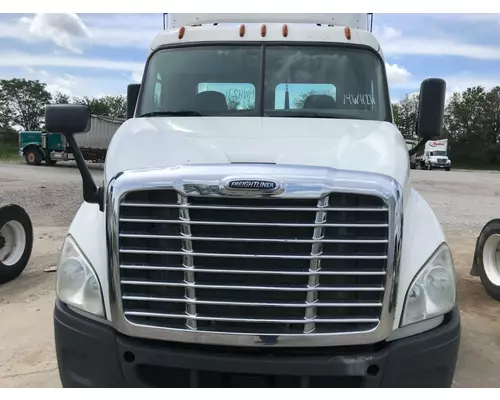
[(183, 113), (309, 114)]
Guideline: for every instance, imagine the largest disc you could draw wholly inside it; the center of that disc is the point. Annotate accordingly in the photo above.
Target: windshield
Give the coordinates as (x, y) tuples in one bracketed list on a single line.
[(265, 80)]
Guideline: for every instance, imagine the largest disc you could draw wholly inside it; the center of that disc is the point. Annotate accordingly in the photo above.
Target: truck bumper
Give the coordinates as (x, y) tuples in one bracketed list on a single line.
[(442, 166), (92, 354)]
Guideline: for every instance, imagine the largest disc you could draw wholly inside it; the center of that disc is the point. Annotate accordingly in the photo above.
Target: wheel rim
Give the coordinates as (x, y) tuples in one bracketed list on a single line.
[(491, 259), (15, 243), (31, 157)]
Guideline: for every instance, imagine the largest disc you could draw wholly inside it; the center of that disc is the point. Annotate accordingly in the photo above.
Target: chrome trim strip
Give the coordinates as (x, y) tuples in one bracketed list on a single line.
[(188, 262), (256, 320), (255, 272), (297, 182), (223, 223), (314, 266), (272, 288), (209, 207), (313, 256), (221, 239), (247, 304)]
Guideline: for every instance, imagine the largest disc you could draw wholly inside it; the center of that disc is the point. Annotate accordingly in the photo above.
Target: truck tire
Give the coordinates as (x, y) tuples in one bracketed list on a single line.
[(33, 156), (16, 241), (487, 258), (448, 169)]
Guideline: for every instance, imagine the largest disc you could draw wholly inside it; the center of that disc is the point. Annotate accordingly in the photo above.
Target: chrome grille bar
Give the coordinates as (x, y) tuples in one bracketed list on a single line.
[(281, 256), (258, 320), (270, 288), (315, 266), (249, 304), (188, 263), (212, 223), (253, 272), (208, 207), (251, 240)]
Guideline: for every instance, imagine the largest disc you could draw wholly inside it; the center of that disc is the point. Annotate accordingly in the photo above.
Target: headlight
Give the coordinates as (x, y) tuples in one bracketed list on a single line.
[(77, 284), (433, 291)]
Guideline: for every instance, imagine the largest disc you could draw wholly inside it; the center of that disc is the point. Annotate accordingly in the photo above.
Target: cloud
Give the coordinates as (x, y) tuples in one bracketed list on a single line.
[(462, 81), (115, 30), (66, 30), (396, 43), (75, 32), (18, 59), (397, 75), (439, 47), (137, 76), (389, 32)]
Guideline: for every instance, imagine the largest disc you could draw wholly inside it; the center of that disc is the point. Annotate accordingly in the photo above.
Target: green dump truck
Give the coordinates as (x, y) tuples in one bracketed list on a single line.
[(50, 147)]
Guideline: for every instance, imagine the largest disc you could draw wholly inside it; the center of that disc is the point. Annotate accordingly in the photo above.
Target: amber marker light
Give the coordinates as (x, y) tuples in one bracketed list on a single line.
[(182, 31), (347, 32), (284, 30), (263, 30)]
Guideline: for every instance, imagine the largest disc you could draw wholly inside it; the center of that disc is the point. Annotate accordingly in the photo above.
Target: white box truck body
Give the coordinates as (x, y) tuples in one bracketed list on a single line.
[(249, 229)]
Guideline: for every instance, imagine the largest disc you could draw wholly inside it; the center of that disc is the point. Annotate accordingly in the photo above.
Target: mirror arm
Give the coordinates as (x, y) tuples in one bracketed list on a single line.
[(91, 193), (417, 147)]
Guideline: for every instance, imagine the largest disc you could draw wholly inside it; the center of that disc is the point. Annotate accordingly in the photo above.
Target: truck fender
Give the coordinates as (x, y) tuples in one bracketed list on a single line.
[(32, 145)]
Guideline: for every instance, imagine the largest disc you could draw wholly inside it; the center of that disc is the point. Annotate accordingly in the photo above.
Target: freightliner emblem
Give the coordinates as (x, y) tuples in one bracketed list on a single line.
[(247, 185), (252, 184)]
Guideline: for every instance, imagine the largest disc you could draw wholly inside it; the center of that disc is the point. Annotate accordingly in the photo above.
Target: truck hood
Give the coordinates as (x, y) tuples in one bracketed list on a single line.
[(342, 144)]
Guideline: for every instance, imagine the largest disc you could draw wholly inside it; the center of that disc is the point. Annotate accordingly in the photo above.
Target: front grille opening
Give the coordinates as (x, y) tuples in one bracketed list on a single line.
[(253, 241)]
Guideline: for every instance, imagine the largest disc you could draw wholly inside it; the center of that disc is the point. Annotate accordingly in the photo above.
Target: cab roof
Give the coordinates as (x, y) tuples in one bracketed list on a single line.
[(273, 33)]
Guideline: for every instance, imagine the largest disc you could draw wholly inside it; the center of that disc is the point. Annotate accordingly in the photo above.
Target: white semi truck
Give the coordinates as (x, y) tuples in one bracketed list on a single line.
[(249, 227), (436, 155)]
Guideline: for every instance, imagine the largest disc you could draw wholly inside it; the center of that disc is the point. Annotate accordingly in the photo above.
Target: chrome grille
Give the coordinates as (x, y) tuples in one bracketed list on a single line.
[(253, 265)]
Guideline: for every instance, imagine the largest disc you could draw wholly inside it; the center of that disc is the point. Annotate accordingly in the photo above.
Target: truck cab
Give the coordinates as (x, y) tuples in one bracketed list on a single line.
[(256, 224)]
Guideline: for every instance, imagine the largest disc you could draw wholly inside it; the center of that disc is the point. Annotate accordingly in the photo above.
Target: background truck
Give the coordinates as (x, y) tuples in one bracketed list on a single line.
[(436, 155), (38, 146), (248, 230)]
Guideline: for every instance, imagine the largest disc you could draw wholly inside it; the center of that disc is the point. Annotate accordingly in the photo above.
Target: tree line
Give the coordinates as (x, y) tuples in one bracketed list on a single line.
[(471, 125), (23, 102)]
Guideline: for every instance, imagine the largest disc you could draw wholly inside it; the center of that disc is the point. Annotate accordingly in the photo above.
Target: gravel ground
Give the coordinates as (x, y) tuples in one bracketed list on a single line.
[(463, 201)]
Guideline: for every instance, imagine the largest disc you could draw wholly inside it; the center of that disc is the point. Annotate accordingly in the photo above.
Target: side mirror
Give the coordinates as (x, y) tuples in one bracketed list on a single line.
[(67, 119), (431, 108), (132, 95), (70, 119)]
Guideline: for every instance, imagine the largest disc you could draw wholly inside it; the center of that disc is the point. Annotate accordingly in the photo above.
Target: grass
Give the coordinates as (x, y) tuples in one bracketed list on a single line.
[(9, 148)]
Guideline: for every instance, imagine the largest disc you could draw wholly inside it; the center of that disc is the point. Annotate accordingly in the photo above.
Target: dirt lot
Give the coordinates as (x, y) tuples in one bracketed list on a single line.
[(463, 201)]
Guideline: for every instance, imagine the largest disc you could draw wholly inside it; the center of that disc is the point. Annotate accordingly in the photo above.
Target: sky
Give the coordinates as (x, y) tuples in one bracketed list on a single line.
[(100, 54)]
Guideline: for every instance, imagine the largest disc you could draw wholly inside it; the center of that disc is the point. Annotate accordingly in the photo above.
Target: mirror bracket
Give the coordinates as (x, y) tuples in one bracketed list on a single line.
[(70, 119)]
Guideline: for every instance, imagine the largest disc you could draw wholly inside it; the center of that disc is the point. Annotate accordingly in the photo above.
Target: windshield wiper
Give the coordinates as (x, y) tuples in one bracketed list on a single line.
[(309, 114), (183, 113)]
